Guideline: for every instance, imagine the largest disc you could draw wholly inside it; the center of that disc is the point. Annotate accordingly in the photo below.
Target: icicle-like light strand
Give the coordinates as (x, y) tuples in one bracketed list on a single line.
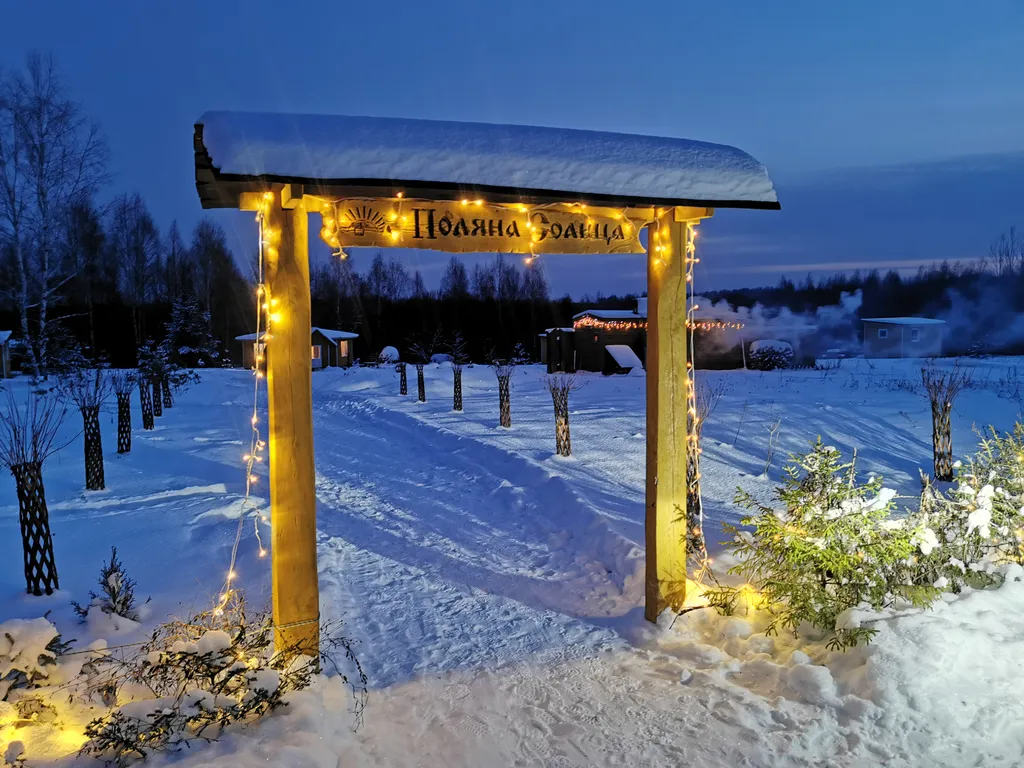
[(264, 303), (693, 435)]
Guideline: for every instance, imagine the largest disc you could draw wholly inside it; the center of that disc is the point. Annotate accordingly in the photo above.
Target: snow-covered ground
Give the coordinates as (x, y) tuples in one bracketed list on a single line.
[(495, 590)]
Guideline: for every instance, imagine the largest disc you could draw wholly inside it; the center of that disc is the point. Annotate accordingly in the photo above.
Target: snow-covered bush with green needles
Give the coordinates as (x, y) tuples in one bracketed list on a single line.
[(827, 550), (197, 677), (967, 531), (117, 592), (29, 653)]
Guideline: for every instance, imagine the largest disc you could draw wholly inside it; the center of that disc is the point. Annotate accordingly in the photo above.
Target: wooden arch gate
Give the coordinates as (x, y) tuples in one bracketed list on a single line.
[(464, 187)]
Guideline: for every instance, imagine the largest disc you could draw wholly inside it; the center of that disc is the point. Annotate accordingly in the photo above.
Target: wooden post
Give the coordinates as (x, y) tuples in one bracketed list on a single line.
[(289, 388), (666, 414)]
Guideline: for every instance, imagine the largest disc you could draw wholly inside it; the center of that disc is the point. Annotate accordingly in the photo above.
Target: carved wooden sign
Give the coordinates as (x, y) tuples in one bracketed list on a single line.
[(473, 226)]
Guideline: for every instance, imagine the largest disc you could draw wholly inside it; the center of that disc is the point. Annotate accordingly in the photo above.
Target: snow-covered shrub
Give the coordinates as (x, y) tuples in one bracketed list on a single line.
[(978, 523), (29, 649), (769, 354), (829, 550), (388, 355), (117, 592), (195, 678)]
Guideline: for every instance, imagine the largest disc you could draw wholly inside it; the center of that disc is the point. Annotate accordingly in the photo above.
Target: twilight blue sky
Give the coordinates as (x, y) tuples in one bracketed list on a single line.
[(894, 130)]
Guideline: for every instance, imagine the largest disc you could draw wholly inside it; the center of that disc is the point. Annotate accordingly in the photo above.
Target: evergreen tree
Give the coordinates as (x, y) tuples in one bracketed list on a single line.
[(188, 343)]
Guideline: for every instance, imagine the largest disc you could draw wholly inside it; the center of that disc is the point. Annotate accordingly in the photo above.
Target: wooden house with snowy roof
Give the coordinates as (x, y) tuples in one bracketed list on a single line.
[(328, 348)]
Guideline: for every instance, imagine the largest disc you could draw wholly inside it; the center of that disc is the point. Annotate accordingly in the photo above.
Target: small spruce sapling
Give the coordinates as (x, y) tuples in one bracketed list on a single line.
[(116, 595), (830, 549)]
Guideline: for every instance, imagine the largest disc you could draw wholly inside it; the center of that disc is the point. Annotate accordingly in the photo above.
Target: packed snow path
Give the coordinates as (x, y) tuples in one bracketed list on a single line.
[(429, 540)]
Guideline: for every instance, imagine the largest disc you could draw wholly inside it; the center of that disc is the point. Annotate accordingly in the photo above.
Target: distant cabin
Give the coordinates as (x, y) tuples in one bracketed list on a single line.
[(615, 341), (328, 349), (5, 354), (902, 336)]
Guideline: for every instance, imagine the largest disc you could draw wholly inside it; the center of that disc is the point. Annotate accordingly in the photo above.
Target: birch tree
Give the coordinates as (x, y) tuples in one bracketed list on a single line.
[(51, 157)]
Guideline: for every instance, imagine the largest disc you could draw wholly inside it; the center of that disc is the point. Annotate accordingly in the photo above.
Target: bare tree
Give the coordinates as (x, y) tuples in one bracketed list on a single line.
[(51, 157), (89, 390), (154, 371), (146, 404), (178, 280), (560, 385), (943, 386), (422, 350), (28, 436), (457, 350), (1006, 254), (123, 383), (773, 426), (83, 244), (454, 281), (135, 241), (403, 378), (504, 368)]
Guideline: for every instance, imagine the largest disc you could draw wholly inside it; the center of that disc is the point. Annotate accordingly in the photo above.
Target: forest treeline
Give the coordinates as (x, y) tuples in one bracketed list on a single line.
[(982, 300), (85, 268)]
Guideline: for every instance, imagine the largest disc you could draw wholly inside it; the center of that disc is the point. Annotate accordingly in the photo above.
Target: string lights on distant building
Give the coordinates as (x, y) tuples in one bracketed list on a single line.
[(589, 321)]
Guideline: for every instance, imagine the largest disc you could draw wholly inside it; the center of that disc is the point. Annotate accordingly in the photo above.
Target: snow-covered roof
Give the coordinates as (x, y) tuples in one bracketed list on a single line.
[(4, 336), (904, 320), (526, 162), (612, 314), (624, 356), (332, 336), (549, 330), (336, 336)]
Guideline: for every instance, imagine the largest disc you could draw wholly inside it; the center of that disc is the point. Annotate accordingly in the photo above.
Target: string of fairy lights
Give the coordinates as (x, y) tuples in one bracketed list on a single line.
[(268, 241), (342, 215), (605, 324), (333, 219), (693, 434)]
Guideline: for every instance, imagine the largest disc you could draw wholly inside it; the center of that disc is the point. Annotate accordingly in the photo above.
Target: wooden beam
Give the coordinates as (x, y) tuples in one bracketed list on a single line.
[(686, 213), (667, 403), (250, 201), (292, 474)]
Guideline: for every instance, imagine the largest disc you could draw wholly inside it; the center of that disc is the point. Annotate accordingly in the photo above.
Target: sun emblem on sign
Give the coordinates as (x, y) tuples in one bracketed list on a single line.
[(357, 222), (362, 220)]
